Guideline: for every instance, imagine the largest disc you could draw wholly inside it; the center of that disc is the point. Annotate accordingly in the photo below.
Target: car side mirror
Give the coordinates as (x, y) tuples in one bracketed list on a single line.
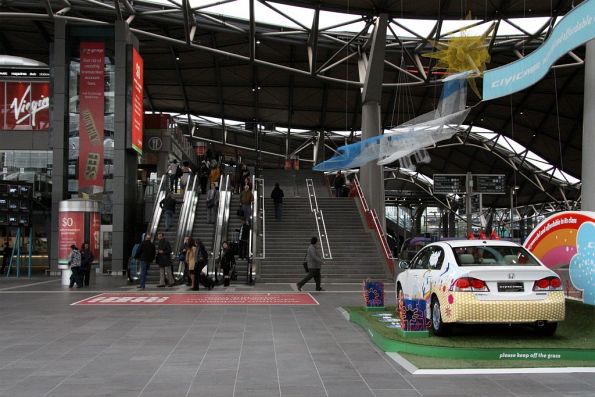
[(404, 264)]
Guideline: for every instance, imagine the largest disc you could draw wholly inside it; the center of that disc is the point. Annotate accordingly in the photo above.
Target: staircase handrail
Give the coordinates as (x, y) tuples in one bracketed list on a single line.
[(374, 223), (156, 214), (257, 240), (319, 217)]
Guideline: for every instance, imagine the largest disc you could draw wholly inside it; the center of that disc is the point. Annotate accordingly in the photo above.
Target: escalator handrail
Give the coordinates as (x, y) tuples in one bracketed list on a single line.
[(220, 225), (185, 213), (156, 214)]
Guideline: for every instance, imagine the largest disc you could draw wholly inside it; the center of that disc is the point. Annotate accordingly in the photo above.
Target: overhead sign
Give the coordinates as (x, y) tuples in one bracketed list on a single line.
[(575, 29), (450, 183), (25, 105), (156, 299), (91, 108), (137, 102), (492, 184), (22, 73)]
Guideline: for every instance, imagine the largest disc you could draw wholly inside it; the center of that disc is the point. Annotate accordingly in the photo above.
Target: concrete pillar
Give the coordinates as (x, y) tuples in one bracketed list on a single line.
[(125, 161), (371, 175), (58, 129), (588, 171)]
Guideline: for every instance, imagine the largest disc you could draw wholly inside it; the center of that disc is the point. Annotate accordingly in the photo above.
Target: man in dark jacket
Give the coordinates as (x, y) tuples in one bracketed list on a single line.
[(87, 259), (244, 238), (163, 259), (277, 196), (146, 254), (339, 183), (315, 262), (168, 204)]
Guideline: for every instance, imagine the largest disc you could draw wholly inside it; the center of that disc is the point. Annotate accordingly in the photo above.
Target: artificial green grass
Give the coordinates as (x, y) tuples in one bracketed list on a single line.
[(576, 332), (423, 362)]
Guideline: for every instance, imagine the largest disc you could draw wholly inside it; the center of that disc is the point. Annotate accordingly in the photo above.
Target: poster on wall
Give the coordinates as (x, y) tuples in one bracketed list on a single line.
[(71, 230), (95, 226), (91, 121), (137, 102), (25, 105)]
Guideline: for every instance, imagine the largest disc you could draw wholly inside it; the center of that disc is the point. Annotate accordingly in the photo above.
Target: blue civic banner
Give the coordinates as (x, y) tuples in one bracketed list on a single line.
[(575, 29)]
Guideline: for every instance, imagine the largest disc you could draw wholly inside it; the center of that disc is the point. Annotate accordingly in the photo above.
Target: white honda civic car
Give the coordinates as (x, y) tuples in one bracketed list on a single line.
[(482, 281)]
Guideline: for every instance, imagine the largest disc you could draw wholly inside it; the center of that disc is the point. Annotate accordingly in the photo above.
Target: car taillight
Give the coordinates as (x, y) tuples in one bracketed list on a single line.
[(470, 284), (548, 284)]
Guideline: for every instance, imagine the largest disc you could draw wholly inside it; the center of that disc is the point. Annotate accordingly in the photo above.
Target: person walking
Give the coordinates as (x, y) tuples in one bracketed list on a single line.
[(214, 174), (6, 254), (339, 183), (174, 175), (74, 262), (146, 255), (228, 262), (314, 264), (168, 204), (212, 203), (186, 175), (163, 259), (246, 198), (277, 196), (244, 238), (191, 260), (87, 259), (203, 176)]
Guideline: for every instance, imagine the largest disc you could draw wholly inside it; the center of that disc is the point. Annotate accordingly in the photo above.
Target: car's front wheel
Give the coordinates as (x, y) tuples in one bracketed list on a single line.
[(438, 327), (546, 328)]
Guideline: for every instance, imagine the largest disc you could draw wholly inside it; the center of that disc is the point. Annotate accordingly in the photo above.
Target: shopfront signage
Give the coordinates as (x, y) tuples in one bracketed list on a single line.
[(137, 102), (91, 99), (575, 29), (25, 105)]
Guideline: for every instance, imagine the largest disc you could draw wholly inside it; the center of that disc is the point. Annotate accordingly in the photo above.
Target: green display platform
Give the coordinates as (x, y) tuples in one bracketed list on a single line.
[(563, 347)]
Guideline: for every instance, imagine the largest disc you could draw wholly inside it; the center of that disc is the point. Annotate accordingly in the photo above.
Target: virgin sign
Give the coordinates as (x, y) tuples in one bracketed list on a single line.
[(25, 105)]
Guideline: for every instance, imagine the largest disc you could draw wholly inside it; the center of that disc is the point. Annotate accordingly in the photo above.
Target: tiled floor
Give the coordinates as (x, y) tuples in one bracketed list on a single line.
[(49, 348)]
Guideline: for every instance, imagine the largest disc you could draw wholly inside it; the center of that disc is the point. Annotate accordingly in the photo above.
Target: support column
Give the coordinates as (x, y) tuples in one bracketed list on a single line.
[(588, 171), (125, 161), (58, 129), (372, 175)]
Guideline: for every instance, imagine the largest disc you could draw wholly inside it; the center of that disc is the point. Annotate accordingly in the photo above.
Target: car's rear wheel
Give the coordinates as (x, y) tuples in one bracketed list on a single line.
[(546, 328), (438, 327)]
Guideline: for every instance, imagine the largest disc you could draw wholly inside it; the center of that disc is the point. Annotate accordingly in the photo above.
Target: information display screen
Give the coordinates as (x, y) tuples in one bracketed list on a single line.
[(16, 202), (449, 183), (492, 184)]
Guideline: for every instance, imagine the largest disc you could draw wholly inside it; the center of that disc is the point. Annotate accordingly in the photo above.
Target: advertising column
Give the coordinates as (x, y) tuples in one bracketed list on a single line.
[(79, 222), (91, 113)]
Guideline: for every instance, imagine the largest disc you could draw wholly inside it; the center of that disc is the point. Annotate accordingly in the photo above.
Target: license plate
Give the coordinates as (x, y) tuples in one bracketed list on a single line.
[(510, 287)]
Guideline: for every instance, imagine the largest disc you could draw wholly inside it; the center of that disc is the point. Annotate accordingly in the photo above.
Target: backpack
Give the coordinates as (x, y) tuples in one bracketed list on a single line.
[(179, 172)]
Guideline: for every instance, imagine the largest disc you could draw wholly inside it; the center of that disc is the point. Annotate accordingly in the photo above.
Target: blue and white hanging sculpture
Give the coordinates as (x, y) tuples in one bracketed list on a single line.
[(409, 138)]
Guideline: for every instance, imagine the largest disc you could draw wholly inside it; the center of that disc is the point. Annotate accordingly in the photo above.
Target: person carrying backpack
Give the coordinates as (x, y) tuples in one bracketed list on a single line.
[(174, 173)]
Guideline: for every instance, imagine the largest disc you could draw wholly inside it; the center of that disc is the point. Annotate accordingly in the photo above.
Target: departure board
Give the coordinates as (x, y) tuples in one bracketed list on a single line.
[(492, 184), (449, 183)]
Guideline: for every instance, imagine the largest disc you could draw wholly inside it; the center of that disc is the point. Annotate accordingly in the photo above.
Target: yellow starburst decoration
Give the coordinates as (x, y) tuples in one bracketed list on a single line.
[(459, 54)]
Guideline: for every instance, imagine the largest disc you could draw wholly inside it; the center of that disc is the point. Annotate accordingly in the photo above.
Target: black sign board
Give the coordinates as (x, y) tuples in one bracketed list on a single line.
[(449, 183), (15, 203), (492, 184), (24, 73)]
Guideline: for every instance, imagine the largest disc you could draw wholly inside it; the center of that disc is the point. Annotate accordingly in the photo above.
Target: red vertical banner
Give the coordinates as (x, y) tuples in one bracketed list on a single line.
[(91, 108), (137, 101), (71, 231), (94, 230), (3, 107)]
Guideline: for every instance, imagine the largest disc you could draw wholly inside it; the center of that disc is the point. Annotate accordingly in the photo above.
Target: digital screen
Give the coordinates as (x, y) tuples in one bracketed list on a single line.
[(12, 189), (3, 188), (24, 189), (24, 205), (3, 219), (448, 184), (13, 204), (3, 204), (24, 220), (13, 219)]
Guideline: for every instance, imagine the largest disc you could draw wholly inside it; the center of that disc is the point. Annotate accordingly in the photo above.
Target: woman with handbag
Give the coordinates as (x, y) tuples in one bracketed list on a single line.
[(313, 263), (190, 261)]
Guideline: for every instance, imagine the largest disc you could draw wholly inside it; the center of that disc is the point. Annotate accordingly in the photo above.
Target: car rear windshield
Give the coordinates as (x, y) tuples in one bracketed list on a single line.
[(493, 256)]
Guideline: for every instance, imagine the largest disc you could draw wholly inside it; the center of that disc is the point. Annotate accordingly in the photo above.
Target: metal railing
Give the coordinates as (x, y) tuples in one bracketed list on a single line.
[(221, 225), (159, 196), (320, 224), (374, 223), (257, 240)]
